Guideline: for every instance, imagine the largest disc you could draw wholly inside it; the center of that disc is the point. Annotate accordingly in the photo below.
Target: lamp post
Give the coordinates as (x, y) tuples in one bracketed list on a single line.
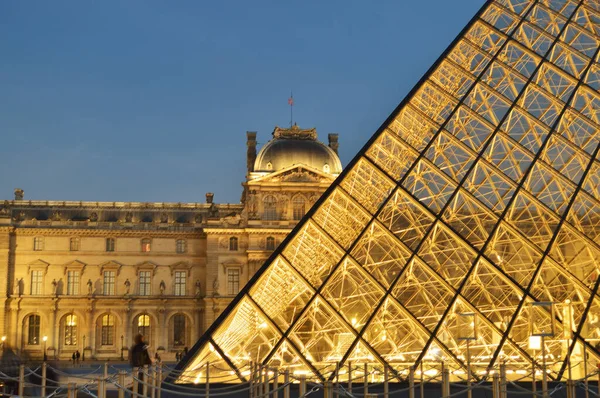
[(467, 331), (544, 328), (83, 353), (122, 348), (2, 345), (44, 339)]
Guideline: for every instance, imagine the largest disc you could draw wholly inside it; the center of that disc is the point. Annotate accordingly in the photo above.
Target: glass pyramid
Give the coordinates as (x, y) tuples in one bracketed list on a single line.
[(471, 215)]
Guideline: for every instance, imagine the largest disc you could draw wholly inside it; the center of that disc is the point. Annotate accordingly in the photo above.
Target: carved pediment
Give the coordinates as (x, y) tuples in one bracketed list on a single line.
[(181, 266), (232, 264), (38, 265), (296, 173), (74, 265), (146, 266), (110, 266)]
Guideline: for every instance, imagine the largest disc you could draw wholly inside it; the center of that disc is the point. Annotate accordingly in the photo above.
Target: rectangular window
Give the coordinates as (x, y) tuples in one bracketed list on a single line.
[(110, 244), (144, 283), (72, 283), (179, 330), (33, 332), (233, 281), (108, 330), (38, 243), (74, 245), (181, 246), (146, 245), (36, 282), (108, 287), (180, 283)]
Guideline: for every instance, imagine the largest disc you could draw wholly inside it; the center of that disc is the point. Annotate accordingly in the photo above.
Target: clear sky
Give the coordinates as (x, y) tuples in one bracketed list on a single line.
[(112, 100)]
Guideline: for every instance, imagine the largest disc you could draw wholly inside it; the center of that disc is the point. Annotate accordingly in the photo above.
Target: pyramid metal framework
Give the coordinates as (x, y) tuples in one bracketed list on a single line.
[(471, 217)]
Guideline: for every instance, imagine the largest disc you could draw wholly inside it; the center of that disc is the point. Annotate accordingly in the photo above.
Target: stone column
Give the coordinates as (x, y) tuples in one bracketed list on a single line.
[(199, 327), (164, 330), (90, 331), (15, 329), (127, 326), (51, 330)]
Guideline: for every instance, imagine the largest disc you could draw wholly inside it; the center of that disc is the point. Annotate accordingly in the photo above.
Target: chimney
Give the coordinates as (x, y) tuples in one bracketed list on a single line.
[(209, 197), (19, 194), (333, 142), (251, 153)]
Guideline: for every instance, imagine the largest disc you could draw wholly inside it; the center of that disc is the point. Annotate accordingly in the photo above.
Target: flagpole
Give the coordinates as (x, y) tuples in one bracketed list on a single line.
[(291, 102)]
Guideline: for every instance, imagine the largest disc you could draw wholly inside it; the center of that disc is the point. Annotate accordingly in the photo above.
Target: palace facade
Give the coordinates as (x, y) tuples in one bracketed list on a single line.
[(88, 276)]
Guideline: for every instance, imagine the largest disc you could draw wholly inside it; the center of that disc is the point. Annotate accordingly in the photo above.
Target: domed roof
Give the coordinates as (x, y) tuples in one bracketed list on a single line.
[(295, 146)]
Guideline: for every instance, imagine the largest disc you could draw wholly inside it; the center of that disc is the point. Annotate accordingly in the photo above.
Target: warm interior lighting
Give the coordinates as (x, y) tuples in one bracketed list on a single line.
[(535, 343), (44, 338)]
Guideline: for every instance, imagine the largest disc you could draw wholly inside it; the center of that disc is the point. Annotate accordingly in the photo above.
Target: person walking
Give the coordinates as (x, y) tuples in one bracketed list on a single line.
[(138, 358)]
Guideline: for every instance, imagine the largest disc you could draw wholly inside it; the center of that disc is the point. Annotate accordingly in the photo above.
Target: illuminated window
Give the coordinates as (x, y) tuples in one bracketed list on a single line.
[(72, 283), (298, 207), (181, 246), (108, 330), (110, 244), (146, 245), (326, 168), (144, 326), (108, 285), (270, 208), (33, 329), (36, 282), (180, 283), (74, 244), (233, 281), (270, 243), (233, 244), (179, 330), (144, 283), (38, 243), (71, 330)]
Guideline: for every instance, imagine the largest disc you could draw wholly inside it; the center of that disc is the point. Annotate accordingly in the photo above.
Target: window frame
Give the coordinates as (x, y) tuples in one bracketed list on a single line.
[(179, 332), (179, 282), (110, 244), (74, 244), (33, 330), (298, 207), (38, 243), (70, 339), (232, 283), (39, 282), (107, 330), (147, 277), (181, 246), (146, 245), (270, 243), (73, 282), (270, 212), (110, 288)]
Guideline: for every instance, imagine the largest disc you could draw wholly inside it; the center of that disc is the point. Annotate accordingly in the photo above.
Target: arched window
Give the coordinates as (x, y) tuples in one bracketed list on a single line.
[(74, 244), (179, 330), (270, 243), (298, 207), (71, 330), (33, 329), (233, 243), (108, 329), (146, 245), (110, 244), (270, 208), (143, 326)]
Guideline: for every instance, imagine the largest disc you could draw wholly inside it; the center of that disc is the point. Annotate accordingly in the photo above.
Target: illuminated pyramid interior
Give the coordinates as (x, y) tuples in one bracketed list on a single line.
[(471, 217)]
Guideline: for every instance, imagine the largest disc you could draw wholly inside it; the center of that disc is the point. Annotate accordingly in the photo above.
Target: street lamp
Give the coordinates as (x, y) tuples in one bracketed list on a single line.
[(122, 347), (83, 354), (2, 345), (44, 339)]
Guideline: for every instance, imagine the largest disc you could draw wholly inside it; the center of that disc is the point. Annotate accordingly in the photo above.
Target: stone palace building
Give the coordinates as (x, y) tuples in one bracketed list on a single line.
[(88, 276)]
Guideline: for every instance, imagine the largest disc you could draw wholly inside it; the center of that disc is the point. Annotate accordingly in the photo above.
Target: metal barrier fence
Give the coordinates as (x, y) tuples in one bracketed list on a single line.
[(265, 382)]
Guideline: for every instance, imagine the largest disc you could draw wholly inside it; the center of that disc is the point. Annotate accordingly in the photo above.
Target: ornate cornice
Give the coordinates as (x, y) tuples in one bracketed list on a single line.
[(253, 231), (102, 233)]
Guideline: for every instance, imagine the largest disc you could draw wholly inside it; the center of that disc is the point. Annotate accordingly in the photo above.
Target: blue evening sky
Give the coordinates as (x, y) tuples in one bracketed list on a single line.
[(150, 100)]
